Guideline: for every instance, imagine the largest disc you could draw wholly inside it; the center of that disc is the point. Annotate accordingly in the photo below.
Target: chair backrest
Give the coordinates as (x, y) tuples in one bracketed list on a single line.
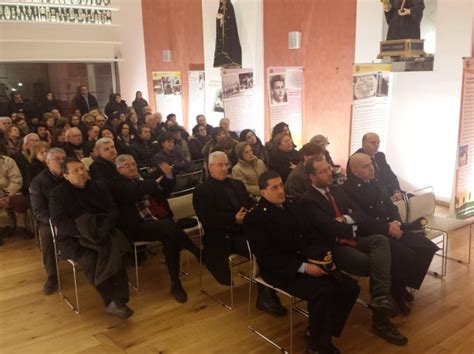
[(188, 180), (253, 263), (402, 209), (421, 205), (182, 206)]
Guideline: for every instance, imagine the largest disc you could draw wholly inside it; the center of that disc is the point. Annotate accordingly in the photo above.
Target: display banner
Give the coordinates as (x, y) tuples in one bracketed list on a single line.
[(464, 196), (371, 104), (197, 96), (238, 98), (167, 89), (285, 90)]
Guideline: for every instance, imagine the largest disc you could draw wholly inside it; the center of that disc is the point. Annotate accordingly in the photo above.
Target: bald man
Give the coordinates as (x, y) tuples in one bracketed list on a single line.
[(411, 252), (384, 176)]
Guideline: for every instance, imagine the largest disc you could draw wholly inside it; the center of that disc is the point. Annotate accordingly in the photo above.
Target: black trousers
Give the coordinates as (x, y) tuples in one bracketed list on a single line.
[(173, 239), (330, 301), (47, 251), (114, 288), (411, 257), (216, 257)]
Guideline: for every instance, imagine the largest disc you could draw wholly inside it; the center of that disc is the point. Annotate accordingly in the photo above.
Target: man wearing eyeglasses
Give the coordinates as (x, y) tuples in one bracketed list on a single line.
[(334, 219)]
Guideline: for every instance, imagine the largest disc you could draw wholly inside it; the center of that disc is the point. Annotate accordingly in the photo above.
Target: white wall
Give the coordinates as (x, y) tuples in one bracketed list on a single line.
[(56, 42), (249, 15), (132, 68), (424, 118)]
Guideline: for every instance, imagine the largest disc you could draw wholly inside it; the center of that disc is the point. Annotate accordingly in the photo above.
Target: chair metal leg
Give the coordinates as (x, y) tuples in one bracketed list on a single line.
[(135, 255), (76, 310)]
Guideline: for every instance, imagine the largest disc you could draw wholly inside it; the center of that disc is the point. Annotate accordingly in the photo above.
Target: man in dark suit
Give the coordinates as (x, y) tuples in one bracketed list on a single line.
[(412, 252), (103, 167), (384, 176), (72, 199), (84, 101), (40, 187), (145, 215), (221, 204), (338, 222), (274, 228)]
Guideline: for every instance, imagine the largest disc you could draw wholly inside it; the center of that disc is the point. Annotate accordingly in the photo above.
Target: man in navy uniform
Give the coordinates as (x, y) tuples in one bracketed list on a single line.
[(274, 230)]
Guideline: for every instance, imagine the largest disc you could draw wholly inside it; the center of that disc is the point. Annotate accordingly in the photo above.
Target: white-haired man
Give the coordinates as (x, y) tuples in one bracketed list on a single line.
[(103, 167), (221, 204)]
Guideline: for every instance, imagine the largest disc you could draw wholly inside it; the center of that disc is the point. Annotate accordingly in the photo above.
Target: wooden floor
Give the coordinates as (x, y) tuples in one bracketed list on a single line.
[(442, 318)]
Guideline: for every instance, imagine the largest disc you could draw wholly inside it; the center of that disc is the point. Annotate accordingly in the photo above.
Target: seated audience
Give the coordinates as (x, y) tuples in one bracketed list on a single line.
[(358, 247), (217, 135), (221, 204), (107, 132), (23, 126), (281, 127), (144, 148), (412, 252), (124, 139), (153, 121), (384, 176), (10, 185), (257, 147), (171, 155), (13, 140), (23, 158), (284, 157), (179, 143), (43, 133), (227, 145), (224, 123), (274, 229), (171, 121), (197, 142), (5, 122), (201, 122), (298, 180), (38, 160), (74, 146), (103, 166), (58, 138), (146, 215), (75, 205), (248, 168), (132, 120), (40, 187)]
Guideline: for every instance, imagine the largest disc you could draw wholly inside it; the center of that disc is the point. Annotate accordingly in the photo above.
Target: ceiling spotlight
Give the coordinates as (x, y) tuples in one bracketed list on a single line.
[(20, 84)]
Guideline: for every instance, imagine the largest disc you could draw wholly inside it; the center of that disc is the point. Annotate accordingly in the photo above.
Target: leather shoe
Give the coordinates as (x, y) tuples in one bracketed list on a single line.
[(389, 332), (271, 305), (50, 286), (121, 311), (385, 304), (178, 292)]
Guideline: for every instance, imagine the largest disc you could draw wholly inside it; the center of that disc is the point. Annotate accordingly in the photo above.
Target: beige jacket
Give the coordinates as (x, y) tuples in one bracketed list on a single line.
[(10, 176), (248, 172)]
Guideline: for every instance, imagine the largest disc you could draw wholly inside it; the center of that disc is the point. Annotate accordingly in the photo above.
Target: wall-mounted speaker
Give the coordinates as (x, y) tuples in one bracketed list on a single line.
[(294, 40), (166, 54)]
